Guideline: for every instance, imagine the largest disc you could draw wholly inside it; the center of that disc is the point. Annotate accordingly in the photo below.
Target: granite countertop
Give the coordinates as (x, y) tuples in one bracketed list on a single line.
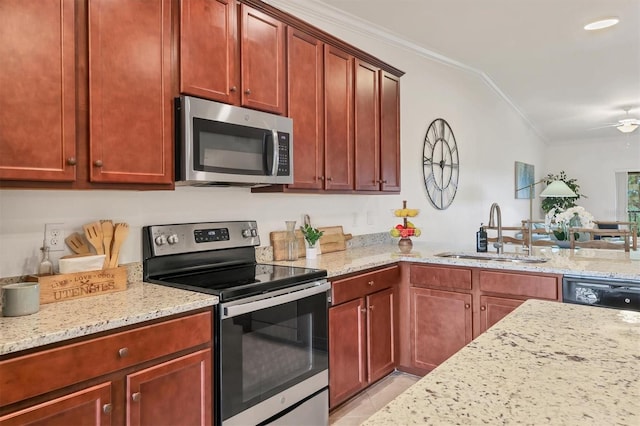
[(143, 301), (60, 321), (545, 363), (581, 262)]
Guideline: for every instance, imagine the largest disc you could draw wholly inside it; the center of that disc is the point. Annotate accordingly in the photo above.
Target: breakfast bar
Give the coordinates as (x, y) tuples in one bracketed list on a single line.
[(545, 363)]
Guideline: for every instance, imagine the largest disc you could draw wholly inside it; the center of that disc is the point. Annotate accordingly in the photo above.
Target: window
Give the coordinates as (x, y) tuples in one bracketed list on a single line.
[(633, 197)]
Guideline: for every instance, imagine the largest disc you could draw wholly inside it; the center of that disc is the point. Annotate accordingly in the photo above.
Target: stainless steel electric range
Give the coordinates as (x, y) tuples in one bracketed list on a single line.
[(271, 328)]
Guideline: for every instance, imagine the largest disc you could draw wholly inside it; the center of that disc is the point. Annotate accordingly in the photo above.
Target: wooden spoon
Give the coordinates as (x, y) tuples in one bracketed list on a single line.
[(107, 237), (93, 232), (77, 244), (120, 233)]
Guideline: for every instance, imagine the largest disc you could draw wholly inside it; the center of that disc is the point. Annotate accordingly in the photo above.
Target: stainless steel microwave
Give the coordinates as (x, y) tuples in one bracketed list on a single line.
[(220, 144)]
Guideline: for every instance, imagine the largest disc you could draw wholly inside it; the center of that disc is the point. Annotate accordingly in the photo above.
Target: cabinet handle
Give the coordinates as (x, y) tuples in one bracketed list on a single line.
[(97, 163), (71, 161), (123, 352), (483, 308), (106, 408), (467, 306), (233, 89), (370, 283), (247, 92), (136, 396)]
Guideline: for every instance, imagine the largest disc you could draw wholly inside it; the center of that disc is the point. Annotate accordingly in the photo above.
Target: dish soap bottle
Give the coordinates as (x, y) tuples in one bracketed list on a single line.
[(481, 240)]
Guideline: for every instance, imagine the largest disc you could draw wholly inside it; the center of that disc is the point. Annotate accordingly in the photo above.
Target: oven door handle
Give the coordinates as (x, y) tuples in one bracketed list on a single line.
[(243, 308)]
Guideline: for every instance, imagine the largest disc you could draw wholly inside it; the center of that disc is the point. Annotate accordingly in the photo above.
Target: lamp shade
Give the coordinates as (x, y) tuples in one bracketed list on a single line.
[(559, 189)]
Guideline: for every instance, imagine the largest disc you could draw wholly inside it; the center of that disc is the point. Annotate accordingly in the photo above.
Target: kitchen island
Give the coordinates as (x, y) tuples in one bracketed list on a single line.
[(545, 363)]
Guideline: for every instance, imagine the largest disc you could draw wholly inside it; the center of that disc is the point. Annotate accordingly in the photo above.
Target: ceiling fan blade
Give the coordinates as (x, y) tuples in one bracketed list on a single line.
[(604, 127)]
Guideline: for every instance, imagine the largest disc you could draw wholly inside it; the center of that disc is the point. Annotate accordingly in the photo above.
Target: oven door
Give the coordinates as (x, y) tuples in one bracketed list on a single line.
[(272, 352)]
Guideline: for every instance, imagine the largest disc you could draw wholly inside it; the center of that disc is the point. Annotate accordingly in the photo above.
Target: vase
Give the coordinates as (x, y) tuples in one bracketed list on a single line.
[(291, 241), (311, 252)]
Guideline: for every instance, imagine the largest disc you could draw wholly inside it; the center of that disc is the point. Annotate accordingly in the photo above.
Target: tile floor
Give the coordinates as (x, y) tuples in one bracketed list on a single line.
[(362, 406)]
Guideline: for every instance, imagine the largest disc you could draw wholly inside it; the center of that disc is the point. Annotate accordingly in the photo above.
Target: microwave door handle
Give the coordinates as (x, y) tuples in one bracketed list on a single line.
[(276, 152)]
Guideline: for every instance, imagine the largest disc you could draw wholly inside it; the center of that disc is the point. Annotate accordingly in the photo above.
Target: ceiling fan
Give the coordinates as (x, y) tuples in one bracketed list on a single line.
[(626, 125)]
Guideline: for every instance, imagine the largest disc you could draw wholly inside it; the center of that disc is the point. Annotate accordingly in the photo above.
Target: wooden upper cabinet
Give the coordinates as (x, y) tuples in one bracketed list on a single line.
[(366, 128), (389, 132), (338, 100), (37, 90), (131, 106), (262, 41), (305, 66), (209, 54)]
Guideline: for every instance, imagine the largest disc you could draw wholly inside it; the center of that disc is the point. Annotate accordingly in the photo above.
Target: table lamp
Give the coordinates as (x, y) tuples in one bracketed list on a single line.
[(557, 188)]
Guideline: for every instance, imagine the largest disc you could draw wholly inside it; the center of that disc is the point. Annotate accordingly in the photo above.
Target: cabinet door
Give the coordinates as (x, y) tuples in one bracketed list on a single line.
[(338, 127), (389, 132), (347, 345), (366, 127), (380, 334), (176, 392), (440, 325), (304, 59), (493, 309), (262, 61), (37, 90), (209, 60), (130, 91), (90, 406)]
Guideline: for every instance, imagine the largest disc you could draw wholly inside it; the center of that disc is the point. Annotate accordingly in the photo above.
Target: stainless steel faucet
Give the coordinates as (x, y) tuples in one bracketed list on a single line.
[(500, 243)]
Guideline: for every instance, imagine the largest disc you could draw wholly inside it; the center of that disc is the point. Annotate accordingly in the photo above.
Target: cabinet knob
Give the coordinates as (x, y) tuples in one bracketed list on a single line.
[(370, 283), (247, 92), (136, 396), (71, 161), (106, 408), (233, 89), (329, 178), (321, 177), (123, 352), (483, 308), (97, 163), (467, 306), (384, 181), (371, 307), (363, 310)]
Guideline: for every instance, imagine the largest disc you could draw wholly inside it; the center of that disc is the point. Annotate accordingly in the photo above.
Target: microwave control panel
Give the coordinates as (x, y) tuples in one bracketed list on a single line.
[(283, 154)]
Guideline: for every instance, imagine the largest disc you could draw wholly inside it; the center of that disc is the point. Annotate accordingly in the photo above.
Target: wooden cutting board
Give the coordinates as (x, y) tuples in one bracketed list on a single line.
[(333, 239)]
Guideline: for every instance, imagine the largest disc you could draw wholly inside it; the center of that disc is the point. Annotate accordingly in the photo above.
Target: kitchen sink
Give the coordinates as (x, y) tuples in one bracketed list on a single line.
[(495, 257)]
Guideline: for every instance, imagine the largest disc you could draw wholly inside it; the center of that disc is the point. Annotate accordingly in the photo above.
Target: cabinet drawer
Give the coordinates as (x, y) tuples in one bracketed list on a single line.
[(361, 285), (538, 286), (435, 276), (37, 373)]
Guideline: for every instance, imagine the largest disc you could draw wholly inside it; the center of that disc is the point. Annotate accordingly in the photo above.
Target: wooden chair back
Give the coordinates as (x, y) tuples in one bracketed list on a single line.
[(603, 243), (620, 225)]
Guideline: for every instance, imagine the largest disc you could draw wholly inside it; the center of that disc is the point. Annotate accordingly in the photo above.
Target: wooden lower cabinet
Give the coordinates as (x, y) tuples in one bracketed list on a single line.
[(362, 332), (90, 406), (441, 324), (160, 373), (361, 344), (493, 309)]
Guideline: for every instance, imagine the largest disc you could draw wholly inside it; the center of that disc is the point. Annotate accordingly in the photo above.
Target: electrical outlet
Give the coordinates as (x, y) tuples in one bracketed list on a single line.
[(54, 236)]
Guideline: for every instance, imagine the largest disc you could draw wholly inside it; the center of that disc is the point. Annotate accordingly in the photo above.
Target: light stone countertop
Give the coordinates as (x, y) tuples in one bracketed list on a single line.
[(59, 321), (581, 262), (545, 363)]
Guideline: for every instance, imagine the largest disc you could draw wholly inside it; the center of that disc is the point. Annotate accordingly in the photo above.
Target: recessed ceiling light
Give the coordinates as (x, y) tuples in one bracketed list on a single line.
[(603, 23)]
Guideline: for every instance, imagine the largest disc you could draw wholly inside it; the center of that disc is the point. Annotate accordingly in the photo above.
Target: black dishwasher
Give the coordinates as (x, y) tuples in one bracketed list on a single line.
[(604, 292)]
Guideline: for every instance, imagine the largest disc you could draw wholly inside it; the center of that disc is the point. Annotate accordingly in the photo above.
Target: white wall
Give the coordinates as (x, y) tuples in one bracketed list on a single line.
[(491, 136), (594, 164)]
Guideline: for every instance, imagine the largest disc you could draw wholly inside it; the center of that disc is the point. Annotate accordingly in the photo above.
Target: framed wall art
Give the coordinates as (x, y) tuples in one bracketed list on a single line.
[(524, 177)]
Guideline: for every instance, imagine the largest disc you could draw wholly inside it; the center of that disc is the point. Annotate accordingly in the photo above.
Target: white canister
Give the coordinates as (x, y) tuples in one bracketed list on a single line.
[(20, 299)]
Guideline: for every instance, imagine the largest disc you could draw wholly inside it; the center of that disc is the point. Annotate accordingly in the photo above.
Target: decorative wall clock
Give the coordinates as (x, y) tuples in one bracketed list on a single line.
[(440, 164)]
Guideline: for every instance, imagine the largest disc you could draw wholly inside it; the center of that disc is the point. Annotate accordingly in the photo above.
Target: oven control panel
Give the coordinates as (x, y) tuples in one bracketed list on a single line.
[(203, 236)]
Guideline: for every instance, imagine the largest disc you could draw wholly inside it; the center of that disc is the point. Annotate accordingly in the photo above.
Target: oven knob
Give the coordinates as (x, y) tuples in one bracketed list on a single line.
[(173, 239), (160, 240), (246, 233)]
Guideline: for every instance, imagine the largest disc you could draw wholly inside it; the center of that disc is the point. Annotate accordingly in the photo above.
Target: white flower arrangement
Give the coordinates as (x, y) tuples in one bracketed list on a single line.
[(575, 217)]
